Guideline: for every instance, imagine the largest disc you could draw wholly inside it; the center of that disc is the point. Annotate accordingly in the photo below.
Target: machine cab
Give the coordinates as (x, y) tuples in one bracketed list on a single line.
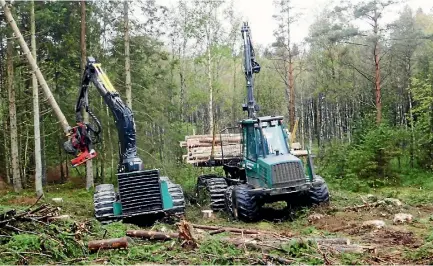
[(265, 147), (264, 137)]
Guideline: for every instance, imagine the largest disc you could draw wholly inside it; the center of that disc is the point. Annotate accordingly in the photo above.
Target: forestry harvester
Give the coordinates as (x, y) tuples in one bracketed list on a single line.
[(140, 192), (267, 170)]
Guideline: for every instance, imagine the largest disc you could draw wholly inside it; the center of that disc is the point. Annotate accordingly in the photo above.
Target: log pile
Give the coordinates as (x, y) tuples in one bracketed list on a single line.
[(199, 147)]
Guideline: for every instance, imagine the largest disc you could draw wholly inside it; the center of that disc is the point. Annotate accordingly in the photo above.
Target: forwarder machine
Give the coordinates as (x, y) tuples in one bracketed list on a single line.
[(267, 170), (142, 195)]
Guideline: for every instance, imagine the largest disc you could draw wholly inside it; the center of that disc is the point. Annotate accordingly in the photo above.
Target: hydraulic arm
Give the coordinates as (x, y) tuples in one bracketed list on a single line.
[(123, 117), (250, 67)]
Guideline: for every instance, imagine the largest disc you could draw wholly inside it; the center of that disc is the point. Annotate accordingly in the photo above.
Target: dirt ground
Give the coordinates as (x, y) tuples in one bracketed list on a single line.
[(410, 242)]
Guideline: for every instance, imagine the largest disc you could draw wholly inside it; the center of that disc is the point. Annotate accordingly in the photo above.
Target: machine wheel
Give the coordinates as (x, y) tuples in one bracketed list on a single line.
[(215, 186), (228, 199), (319, 193), (245, 205), (103, 200)]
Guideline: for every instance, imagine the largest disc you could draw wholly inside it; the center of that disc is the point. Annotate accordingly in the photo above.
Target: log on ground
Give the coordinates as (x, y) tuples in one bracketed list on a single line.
[(113, 243), (152, 235)]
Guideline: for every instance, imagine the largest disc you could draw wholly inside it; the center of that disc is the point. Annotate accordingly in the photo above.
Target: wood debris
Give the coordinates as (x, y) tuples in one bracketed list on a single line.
[(252, 239), (186, 236)]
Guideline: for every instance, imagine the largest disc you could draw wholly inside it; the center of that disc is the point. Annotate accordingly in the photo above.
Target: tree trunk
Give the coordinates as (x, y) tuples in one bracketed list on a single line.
[(16, 178), (50, 98), (377, 73), (209, 76), (89, 164), (43, 157), (6, 150), (292, 94), (36, 118), (127, 59)]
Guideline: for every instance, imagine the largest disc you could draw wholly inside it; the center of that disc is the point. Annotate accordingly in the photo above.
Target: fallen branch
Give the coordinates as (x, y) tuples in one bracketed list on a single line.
[(56, 218), (345, 227), (279, 259), (366, 205), (152, 235), (114, 243), (252, 243), (24, 252), (351, 248), (226, 229), (36, 202), (330, 241)]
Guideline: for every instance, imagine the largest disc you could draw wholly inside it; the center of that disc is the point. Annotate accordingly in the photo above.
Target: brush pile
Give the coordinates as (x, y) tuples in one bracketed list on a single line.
[(199, 147), (38, 235)]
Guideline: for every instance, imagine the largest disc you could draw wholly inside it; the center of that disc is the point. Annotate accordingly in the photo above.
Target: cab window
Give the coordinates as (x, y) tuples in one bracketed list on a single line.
[(251, 144)]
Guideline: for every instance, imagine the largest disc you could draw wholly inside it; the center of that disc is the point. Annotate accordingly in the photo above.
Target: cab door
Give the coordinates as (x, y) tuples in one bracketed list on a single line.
[(252, 141)]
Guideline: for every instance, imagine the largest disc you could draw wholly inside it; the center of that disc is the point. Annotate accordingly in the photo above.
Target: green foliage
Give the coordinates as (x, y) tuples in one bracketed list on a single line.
[(369, 157), (422, 95), (25, 242)]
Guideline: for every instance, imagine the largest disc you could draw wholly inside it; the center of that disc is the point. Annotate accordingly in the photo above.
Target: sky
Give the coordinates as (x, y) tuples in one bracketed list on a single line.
[(259, 15)]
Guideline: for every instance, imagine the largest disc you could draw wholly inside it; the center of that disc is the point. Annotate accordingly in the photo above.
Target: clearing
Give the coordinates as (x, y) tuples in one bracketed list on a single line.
[(284, 237)]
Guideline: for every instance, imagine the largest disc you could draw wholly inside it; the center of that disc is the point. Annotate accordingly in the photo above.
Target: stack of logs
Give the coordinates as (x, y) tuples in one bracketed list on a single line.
[(199, 147)]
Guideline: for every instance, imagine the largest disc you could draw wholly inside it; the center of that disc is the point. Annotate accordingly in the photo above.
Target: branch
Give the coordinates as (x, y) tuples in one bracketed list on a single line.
[(365, 75), (359, 44)]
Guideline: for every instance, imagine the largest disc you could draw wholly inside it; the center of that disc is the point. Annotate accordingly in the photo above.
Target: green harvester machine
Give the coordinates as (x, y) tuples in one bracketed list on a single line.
[(265, 169)]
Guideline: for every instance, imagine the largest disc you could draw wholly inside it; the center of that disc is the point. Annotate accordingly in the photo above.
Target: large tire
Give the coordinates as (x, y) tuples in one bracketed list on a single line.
[(319, 193), (103, 200), (245, 205), (215, 187)]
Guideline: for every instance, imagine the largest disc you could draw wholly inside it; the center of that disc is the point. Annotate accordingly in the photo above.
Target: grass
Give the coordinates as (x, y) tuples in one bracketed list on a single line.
[(60, 247)]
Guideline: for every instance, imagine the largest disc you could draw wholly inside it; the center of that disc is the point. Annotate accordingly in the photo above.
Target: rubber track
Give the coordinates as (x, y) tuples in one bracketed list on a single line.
[(247, 206), (176, 194), (103, 200), (216, 187)]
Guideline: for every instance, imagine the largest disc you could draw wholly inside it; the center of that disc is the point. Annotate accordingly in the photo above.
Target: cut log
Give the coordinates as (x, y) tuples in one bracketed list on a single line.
[(152, 235), (299, 152), (223, 136), (56, 218), (219, 231), (114, 243)]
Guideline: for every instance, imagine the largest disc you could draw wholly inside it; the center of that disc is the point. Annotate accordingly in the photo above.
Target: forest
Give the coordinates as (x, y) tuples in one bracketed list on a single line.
[(360, 98)]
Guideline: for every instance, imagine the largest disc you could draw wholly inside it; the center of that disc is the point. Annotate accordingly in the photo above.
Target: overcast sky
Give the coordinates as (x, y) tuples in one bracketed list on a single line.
[(259, 14)]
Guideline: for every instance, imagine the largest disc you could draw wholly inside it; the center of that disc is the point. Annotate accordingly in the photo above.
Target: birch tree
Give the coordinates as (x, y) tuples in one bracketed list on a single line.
[(36, 117), (89, 164)]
